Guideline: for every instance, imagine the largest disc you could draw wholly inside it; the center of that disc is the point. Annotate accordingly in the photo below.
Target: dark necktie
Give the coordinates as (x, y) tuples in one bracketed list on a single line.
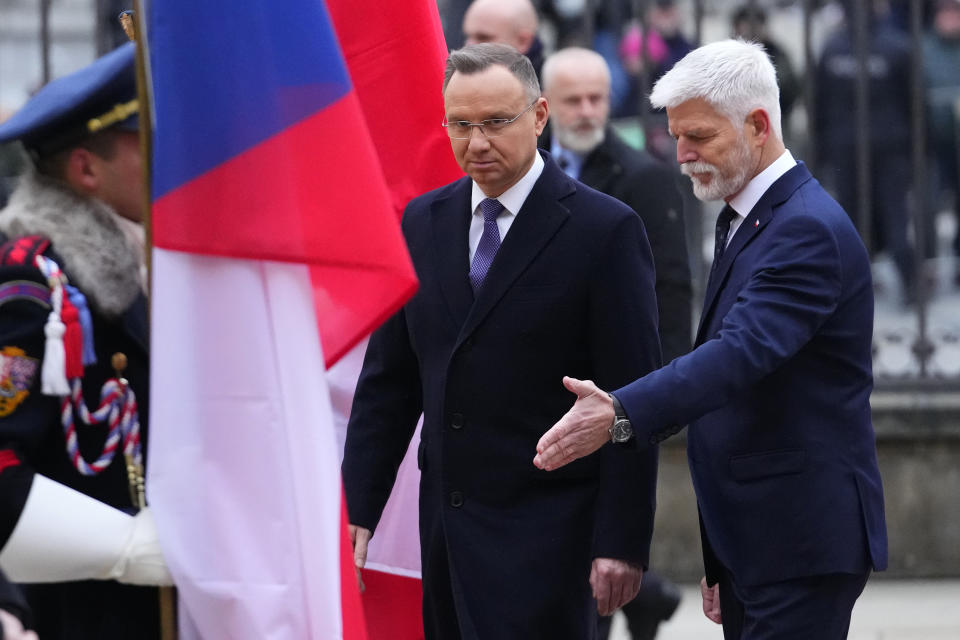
[(489, 242), (727, 214)]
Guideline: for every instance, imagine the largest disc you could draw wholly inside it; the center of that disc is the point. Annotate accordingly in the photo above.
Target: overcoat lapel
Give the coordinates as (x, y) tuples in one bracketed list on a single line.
[(752, 226), (537, 222), (451, 226)]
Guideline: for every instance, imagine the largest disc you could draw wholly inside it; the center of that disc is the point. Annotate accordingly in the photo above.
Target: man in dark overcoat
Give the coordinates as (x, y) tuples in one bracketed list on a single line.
[(524, 273)]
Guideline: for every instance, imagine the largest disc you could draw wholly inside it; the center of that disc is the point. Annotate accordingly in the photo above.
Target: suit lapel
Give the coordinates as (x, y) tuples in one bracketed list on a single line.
[(537, 222), (749, 229), (451, 225)]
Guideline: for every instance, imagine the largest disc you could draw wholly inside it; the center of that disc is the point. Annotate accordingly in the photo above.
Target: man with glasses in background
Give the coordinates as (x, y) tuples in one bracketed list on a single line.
[(524, 274)]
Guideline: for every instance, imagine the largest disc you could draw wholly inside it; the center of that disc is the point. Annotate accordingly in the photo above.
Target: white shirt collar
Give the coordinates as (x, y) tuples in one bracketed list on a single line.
[(744, 201), (514, 197)]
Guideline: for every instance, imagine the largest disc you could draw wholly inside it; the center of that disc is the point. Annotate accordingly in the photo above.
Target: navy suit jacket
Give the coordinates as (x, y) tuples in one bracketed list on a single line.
[(570, 292), (781, 444)]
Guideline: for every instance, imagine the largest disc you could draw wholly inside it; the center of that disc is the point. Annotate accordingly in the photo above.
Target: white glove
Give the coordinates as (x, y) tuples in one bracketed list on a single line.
[(63, 535)]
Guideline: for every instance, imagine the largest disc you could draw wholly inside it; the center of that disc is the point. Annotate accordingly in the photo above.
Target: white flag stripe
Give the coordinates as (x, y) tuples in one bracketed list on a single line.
[(396, 546), (243, 466)]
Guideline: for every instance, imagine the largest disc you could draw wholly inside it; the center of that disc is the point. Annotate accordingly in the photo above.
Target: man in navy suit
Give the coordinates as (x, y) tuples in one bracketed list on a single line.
[(781, 445), (524, 274)]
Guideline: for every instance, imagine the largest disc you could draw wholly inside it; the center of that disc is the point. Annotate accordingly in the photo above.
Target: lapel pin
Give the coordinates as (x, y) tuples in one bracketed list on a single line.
[(756, 223)]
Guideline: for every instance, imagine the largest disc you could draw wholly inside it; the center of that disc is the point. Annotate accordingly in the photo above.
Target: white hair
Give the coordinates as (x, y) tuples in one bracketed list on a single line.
[(733, 76)]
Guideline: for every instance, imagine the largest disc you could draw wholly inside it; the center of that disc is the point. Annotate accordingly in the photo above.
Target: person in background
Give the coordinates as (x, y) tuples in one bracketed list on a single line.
[(889, 134), (510, 22), (941, 69), (749, 22)]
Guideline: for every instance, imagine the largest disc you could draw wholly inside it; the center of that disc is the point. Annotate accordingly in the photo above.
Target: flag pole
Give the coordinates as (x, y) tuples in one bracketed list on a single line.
[(133, 23)]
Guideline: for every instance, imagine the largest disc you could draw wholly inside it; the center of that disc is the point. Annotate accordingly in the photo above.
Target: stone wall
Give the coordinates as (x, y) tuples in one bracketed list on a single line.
[(918, 445)]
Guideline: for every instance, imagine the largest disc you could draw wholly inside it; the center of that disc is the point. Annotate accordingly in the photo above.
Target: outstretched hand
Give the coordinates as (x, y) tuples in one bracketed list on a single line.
[(581, 431)]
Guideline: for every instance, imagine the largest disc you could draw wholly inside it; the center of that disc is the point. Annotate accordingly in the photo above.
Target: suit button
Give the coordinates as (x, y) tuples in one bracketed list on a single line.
[(456, 421), (456, 499)]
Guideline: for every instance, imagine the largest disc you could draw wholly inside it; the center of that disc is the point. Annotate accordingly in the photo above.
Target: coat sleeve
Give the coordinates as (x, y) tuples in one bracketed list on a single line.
[(625, 345), (654, 195), (386, 406), (794, 288)]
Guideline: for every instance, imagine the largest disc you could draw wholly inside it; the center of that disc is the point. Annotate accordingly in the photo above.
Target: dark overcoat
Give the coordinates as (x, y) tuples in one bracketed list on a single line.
[(649, 187), (506, 548)]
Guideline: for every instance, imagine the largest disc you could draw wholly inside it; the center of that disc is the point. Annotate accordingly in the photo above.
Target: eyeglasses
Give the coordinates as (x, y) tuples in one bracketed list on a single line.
[(463, 130)]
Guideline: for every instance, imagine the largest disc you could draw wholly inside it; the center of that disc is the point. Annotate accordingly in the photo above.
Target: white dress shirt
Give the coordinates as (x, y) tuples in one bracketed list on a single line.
[(511, 199), (747, 199)]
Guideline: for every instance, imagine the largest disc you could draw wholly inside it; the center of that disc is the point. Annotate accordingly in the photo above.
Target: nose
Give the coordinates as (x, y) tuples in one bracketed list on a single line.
[(685, 152), (587, 108), (478, 138)]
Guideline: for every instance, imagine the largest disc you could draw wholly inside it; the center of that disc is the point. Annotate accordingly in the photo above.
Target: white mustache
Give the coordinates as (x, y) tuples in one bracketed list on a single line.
[(689, 168)]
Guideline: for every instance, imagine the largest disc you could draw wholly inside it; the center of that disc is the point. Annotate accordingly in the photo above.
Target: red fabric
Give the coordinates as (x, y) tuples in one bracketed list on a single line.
[(354, 626), (8, 459), (72, 339), (312, 194), (396, 57), (23, 250), (394, 606)]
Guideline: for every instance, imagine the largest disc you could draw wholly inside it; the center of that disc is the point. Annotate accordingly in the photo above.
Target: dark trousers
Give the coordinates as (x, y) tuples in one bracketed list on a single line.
[(812, 608)]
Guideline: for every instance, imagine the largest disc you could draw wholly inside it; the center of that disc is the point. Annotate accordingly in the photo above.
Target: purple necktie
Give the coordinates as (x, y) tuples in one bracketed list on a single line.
[(489, 242)]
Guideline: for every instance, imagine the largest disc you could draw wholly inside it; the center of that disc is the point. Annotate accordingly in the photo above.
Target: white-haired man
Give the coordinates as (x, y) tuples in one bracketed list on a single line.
[(781, 445)]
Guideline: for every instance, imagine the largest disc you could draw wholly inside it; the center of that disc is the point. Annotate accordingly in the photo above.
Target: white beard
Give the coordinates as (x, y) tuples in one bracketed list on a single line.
[(570, 138), (720, 186)]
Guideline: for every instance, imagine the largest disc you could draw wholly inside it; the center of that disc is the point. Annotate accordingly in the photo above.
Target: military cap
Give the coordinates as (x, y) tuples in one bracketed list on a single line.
[(64, 112)]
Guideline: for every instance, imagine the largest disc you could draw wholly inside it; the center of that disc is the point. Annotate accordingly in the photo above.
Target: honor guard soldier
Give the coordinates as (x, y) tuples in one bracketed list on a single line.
[(74, 362)]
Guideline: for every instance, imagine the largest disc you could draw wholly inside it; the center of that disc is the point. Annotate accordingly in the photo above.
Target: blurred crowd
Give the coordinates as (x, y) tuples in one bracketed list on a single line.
[(641, 40)]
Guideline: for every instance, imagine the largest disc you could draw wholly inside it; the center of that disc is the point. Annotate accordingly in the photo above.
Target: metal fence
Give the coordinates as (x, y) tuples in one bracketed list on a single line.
[(918, 343), (894, 195)]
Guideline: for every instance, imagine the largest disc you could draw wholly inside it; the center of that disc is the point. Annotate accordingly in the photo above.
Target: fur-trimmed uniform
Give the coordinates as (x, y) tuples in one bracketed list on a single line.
[(100, 255)]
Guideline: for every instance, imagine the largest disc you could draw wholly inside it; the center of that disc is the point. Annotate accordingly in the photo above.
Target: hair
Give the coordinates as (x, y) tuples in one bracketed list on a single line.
[(570, 54), (475, 58), (103, 144), (733, 76)]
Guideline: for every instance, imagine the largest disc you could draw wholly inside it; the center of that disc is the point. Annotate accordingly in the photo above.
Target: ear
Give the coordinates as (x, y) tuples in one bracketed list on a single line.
[(541, 112), (757, 126), (83, 171)]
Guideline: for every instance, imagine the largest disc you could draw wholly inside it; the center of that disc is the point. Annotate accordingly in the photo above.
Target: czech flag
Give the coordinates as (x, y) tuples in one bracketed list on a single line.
[(278, 172)]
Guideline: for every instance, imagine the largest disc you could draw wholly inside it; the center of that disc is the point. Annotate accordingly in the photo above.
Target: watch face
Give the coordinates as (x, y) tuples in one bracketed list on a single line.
[(621, 431)]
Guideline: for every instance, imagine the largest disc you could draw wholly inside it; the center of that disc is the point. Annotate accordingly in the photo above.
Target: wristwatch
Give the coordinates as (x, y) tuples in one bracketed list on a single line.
[(621, 430)]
